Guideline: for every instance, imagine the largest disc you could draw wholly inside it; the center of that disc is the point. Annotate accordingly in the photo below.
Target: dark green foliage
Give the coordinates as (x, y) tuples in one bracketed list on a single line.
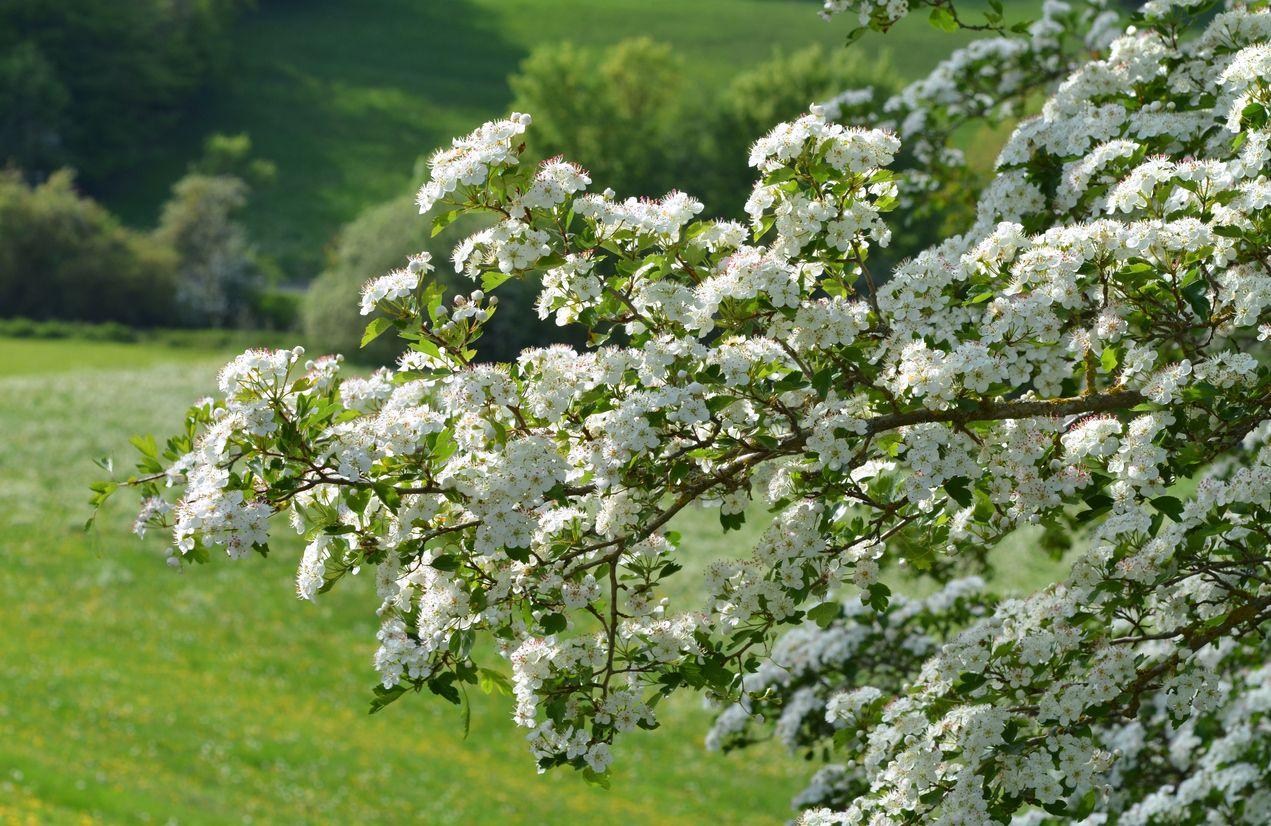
[(33, 109), (123, 70), (232, 155), (622, 113), (277, 308), (64, 256), (629, 115)]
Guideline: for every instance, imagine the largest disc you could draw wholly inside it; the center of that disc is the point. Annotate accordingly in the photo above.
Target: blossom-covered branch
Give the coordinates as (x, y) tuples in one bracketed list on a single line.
[(1092, 344)]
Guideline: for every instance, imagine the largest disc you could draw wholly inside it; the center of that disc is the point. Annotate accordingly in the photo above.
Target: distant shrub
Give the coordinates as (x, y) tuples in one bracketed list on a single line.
[(617, 111), (56, 329), (276, 308), (205, 339), (217, 272), (232, 155), (64, 256), (620, 112)]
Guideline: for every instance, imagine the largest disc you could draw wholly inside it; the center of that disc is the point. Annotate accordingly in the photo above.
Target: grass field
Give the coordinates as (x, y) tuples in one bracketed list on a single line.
[(130, 693), (346, 97)]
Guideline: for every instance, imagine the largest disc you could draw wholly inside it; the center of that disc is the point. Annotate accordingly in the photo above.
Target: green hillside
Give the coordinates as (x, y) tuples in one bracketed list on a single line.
[(346, 97)]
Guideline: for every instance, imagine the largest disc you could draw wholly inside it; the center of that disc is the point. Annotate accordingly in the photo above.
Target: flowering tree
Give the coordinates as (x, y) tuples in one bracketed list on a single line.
[(1085, 357)]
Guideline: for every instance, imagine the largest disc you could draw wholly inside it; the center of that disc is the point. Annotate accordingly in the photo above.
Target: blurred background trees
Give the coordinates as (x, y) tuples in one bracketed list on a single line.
[(63, 256), (124, 70)]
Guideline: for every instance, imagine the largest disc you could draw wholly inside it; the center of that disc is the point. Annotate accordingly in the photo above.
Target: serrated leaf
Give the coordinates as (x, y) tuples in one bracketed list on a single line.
[(445, 562), (386, 696), (825, 613), (879, 597), (375, 329), (492, 682), (958, 491), (491, 281), (146, 445), (732, 521), (444, 220)]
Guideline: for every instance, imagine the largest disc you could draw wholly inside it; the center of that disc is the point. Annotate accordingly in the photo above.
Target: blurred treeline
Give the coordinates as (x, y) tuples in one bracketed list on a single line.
[(86, 88), (87, 85)]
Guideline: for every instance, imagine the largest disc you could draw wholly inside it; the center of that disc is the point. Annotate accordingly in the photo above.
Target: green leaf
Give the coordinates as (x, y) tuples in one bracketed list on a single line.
[(491, 280), (146, 444), (1170, 506), (596, 779), (386, 696), (1109, 359), (943, 19), (444, 220), (879, 597), (1197, 296), (443, 686), (825, 613), (958, 492), (554, 623), (446, 562), (493, 682), (822, 380), (376, 329)]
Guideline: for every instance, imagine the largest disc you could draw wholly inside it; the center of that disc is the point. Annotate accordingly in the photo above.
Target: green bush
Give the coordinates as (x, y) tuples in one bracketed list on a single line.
[(277, 308), (64, 256), (206, 339), (217, 273), (379, 240), (232, 155), (30, 328), (620, 111)]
